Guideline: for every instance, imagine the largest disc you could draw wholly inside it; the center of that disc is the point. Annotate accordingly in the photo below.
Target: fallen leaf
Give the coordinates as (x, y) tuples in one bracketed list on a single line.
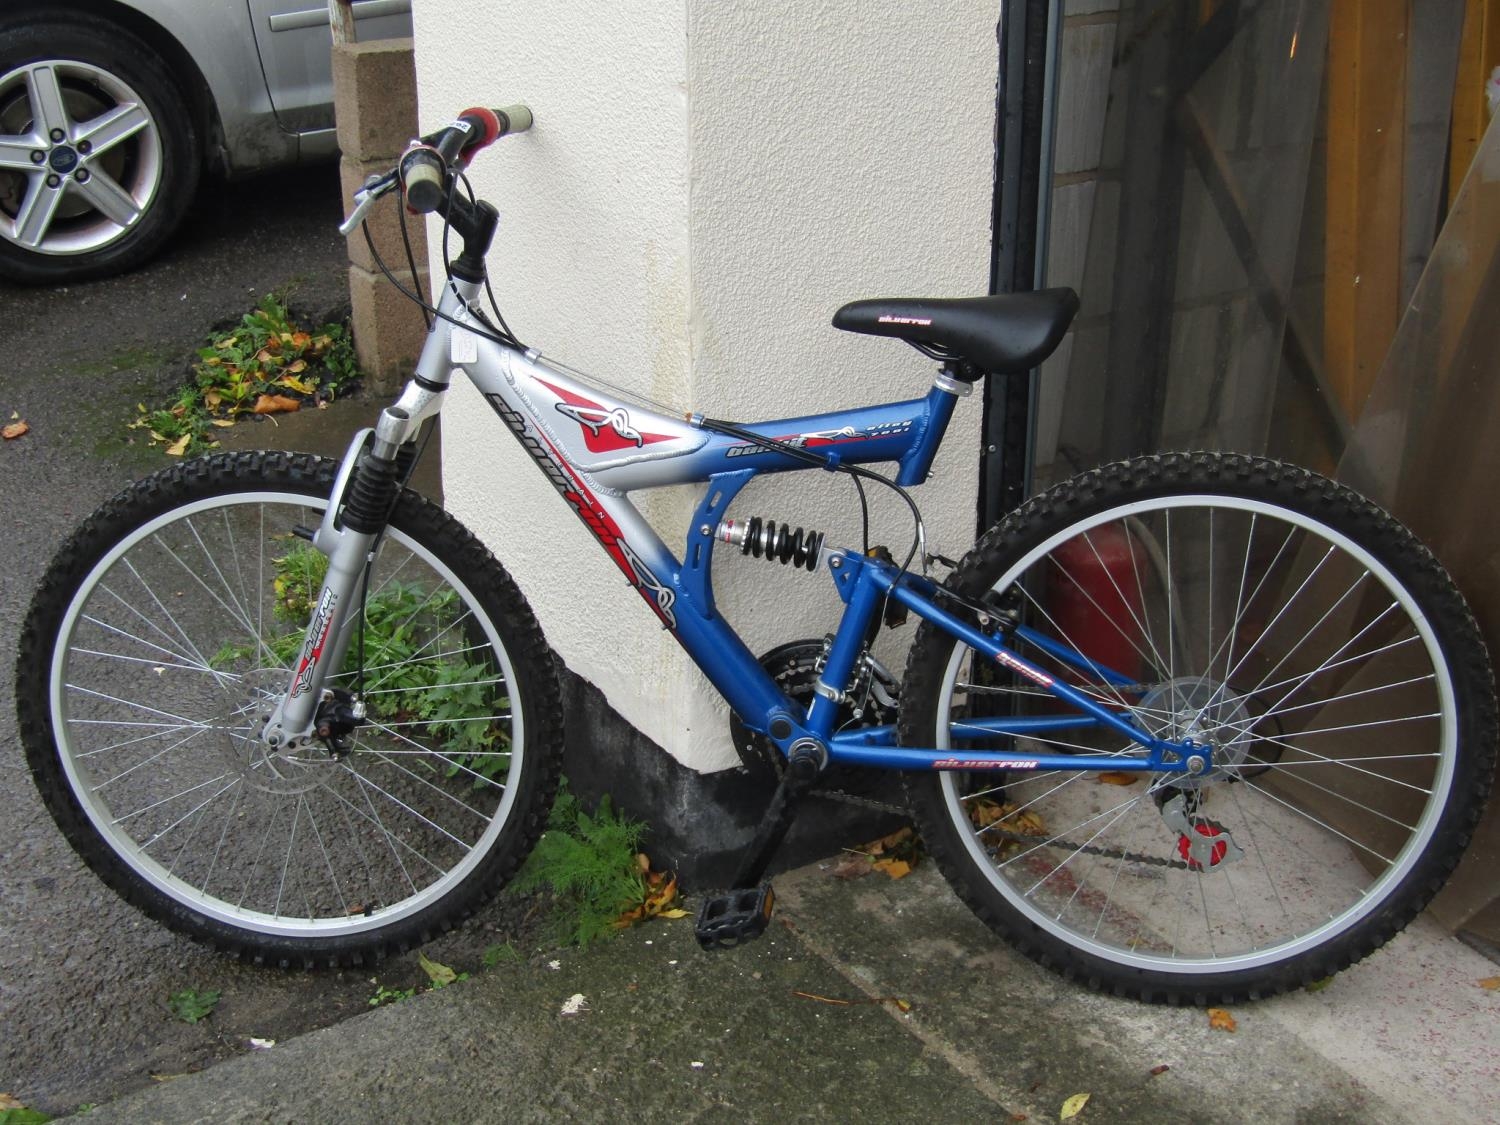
[(853, 865), (1161, 1068), (211, 399), (179, 447), (14, 430), (438, 974), (292, 383), (8, 1102), (895, 868), (296, 367), (1018, 1117), (1117, 777), (275, 404), (675, 912), (662, 897), (984, 813), (223, 422), (888, 843), (1490, 983), (261, 1044), (1220, 1020), (1073, 1107), (1318, 985)]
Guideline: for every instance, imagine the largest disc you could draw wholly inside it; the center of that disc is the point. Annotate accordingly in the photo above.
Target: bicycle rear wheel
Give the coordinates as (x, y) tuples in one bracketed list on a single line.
[(160, 639), (1310, 638)]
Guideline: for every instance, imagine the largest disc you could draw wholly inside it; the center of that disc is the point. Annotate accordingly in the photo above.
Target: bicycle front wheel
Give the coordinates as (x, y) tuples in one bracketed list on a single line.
[(1280, 618), (161, 638)]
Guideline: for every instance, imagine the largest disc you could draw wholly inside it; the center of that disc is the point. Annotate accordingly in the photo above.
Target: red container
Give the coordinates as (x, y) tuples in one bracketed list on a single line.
[(1094, 599)]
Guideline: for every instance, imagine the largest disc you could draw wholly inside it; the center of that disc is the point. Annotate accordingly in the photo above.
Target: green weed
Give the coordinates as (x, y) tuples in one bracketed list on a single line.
[(191, 1005), (590, 865), (500, 953), (384, 995), (417, 680)]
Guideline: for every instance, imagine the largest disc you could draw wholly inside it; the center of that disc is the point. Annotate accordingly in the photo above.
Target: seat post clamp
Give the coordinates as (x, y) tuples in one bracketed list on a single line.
[(950, 379)]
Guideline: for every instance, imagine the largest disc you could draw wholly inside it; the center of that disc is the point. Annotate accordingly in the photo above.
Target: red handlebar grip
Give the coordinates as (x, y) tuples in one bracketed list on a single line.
[(488, 120)]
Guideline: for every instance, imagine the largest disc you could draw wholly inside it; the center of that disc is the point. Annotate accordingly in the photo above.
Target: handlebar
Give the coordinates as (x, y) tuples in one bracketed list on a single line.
[(425, 167), (423, 171)]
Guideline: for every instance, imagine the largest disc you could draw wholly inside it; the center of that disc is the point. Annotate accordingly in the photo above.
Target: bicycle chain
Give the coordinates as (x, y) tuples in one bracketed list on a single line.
[(1093, 849), (842, 797)]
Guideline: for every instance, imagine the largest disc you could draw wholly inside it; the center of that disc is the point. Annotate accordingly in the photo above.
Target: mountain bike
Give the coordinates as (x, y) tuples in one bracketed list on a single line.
[(1185, 727)]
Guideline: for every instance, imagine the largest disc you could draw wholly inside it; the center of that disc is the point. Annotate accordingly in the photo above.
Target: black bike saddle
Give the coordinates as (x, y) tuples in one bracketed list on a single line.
[(1005, 334)]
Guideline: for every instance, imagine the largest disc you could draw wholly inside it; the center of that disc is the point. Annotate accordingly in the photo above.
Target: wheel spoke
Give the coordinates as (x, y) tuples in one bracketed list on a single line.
[(105, 193), (15, 155), (34, 219), (44, 92), (120, 123)]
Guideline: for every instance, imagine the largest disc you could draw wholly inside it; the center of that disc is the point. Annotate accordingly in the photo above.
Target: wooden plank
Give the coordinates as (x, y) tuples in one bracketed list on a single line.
[(1478, 55), (1366, 138)]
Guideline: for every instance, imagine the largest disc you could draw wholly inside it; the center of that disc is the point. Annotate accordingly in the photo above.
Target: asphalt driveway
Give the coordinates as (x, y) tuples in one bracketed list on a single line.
[(84, 979)]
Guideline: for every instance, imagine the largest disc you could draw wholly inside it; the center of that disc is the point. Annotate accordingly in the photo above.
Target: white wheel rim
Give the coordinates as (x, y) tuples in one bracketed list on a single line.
[(1376, 893), (150, 870)]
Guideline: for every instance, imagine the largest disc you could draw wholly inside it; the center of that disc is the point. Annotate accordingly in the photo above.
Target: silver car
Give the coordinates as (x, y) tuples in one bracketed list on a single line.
[(111, 110)]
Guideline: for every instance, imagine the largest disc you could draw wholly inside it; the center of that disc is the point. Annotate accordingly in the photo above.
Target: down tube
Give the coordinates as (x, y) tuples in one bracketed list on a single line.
[(653, 571)]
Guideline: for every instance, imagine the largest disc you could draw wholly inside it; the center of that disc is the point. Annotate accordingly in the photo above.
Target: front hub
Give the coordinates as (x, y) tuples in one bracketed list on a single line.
[(295, 766)]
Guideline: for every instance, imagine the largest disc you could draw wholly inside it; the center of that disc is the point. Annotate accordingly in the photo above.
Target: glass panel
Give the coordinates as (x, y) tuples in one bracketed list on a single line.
[(1191, 208), (1425, 445)]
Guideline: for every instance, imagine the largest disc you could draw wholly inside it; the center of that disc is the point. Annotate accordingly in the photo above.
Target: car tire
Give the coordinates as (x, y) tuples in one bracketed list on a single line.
[(104, 178)]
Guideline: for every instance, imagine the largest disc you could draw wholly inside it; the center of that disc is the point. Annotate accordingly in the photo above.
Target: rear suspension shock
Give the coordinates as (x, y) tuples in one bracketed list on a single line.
[(771, 540)]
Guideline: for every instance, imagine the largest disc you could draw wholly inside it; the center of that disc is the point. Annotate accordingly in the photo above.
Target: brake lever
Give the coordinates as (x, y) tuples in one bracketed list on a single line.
[(364, 199)]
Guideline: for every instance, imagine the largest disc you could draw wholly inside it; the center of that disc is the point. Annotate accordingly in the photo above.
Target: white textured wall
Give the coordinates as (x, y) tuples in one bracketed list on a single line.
[(705, 184)]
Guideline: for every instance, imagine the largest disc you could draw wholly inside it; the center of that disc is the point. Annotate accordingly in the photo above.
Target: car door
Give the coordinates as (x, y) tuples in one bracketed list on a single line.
[(293, 39)]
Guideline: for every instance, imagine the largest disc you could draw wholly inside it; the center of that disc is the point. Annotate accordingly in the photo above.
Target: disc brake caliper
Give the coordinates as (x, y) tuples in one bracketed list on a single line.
[(1202, 843), (338, 715)]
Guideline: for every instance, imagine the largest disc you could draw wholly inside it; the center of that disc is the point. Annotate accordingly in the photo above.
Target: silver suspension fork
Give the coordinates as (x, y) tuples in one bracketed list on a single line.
[(364, 492)]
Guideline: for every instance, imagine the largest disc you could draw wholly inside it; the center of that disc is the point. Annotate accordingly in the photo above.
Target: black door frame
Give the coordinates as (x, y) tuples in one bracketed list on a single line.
[(1028, 33)]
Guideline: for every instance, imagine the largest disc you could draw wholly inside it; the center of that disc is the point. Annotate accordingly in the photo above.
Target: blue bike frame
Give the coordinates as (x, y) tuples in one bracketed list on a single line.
[(596, 449)]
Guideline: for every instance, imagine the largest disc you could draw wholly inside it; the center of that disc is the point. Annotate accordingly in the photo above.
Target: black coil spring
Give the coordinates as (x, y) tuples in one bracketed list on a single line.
[(780, 541)]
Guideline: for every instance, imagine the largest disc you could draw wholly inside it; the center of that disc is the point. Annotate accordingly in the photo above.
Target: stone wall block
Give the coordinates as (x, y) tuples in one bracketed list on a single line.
[(388, 329), (375, 91)]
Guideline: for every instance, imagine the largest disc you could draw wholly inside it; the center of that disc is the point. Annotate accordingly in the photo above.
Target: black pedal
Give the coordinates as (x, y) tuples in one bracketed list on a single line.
[(732, 919)]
